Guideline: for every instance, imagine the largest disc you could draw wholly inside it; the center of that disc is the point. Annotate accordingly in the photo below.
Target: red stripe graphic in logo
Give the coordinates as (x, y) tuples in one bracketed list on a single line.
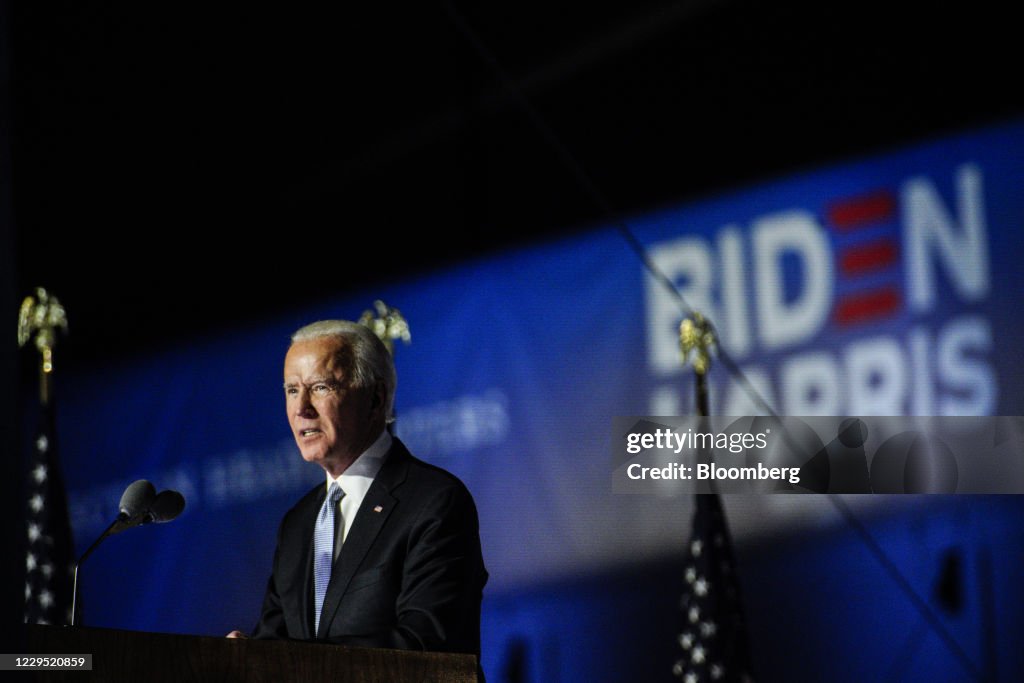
[(866, 258), (861, 211), (858, 308)]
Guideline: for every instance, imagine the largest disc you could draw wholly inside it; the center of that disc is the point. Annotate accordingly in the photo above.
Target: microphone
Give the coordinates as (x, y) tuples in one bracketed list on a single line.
[(140, 504), (168, 505), (136, 497), (135, 500)]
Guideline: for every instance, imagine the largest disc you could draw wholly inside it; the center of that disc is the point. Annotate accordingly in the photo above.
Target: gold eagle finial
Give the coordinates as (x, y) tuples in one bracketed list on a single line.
[(389, 324), (41, 317), (696, 342)]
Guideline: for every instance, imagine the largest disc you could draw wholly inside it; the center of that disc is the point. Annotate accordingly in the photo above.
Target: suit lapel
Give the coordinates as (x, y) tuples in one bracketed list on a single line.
[(370, 519), (299, 558)]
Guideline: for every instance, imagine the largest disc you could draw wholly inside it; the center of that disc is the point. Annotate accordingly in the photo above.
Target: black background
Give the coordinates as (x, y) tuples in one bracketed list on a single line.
[(181, 169)]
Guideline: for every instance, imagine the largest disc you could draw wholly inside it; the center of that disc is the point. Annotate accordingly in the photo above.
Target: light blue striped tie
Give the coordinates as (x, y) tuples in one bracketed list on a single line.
[(323, 546)]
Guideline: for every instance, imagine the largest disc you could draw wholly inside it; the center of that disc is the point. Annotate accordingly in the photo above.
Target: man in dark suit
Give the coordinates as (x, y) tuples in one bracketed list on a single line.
[(387, 552)]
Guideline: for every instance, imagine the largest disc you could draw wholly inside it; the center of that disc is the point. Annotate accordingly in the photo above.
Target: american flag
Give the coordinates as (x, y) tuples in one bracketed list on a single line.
[(49, 561), (713, 639)]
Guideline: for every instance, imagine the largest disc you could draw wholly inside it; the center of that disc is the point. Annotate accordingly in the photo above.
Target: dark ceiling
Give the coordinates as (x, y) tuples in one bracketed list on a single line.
[(178, 170)]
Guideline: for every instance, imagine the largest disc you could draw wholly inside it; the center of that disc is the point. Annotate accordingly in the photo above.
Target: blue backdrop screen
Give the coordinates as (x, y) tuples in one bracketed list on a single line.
[(888, 285)]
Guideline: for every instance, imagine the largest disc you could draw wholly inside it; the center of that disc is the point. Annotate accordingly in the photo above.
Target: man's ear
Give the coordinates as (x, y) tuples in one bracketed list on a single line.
[(377, 400)]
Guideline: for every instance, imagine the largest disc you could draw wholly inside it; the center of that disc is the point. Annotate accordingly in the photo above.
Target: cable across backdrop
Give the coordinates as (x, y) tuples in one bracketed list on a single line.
[(881, 286)]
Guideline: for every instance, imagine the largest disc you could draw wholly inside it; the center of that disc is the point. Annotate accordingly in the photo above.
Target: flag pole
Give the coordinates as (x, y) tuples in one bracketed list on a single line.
[(49, 555), (713, 638), (696, 342), (40, 318), (389, 325)]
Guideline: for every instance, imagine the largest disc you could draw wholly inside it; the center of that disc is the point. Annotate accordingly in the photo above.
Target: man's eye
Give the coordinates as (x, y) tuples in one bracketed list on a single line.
[(290, 391), (321, 388)]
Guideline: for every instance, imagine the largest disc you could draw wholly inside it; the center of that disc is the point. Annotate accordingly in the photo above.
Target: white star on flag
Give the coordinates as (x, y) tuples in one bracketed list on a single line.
[(50, 546), (713, 636)]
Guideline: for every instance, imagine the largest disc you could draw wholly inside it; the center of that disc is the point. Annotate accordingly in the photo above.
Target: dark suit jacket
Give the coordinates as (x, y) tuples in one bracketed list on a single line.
[(409, 576)]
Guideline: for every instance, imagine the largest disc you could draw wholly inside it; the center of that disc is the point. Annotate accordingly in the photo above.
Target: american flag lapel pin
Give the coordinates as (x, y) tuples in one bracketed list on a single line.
[(378, 508)]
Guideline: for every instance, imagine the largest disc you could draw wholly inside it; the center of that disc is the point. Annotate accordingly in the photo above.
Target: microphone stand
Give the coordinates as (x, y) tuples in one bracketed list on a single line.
[(109, 531), (161, 508)]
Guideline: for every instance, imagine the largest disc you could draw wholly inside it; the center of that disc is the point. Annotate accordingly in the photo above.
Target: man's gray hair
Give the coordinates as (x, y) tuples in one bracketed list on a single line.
[(372, 361)]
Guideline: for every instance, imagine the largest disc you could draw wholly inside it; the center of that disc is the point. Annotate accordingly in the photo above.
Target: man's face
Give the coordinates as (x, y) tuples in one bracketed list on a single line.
[(332, 422)]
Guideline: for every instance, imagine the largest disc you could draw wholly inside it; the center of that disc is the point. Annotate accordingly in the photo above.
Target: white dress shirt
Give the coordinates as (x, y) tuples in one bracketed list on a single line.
[(355, 482)]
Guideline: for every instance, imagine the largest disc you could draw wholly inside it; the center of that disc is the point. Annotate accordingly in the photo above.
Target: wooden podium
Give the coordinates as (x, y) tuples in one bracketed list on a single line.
[(154, 657)]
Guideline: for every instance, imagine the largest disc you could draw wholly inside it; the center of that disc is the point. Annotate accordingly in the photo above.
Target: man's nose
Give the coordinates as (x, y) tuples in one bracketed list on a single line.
[(304, 406)]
